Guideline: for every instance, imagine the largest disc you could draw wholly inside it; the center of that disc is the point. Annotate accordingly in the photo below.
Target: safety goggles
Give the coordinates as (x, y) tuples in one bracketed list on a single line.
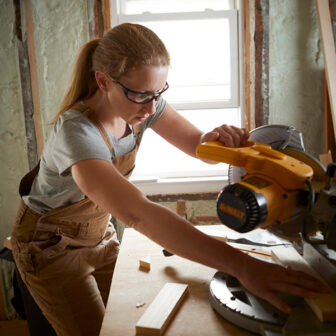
[(141, 97)]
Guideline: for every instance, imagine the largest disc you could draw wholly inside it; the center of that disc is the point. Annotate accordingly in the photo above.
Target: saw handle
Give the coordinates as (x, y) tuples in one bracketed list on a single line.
[(237, 156), (258, 158)]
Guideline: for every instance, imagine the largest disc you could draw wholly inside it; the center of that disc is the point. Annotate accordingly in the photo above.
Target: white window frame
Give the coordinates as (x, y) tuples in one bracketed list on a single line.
[(153, 185), (232, 15)]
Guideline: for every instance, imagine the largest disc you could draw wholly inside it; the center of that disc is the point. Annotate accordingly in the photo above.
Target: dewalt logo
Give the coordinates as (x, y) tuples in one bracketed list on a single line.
[(232, 211)]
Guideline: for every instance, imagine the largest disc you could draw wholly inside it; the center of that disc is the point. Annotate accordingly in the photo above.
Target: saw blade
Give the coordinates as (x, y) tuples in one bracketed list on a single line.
[(319, 178)]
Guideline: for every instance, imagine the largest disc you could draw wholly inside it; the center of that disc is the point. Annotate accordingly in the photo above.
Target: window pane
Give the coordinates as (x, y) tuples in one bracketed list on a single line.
[(200, 59), (172, 6), (157, 157)]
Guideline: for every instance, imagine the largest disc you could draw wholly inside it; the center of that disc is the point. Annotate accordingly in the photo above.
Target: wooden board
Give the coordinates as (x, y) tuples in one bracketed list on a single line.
[(157, 316), (329, 53), (324, 305)]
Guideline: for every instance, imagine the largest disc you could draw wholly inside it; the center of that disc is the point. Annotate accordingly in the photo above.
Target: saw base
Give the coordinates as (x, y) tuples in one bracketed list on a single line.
[(235, 304)]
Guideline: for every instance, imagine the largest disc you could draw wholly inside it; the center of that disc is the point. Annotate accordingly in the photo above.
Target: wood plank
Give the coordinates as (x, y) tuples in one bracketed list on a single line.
[(324, 305), (158, 315), (26, 89), (261, 40), (329, 139), (34, 77), (329, 52), (246, 66)]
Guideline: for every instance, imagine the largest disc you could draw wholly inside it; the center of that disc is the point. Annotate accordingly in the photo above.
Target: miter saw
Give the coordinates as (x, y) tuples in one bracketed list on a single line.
[(275, 185)]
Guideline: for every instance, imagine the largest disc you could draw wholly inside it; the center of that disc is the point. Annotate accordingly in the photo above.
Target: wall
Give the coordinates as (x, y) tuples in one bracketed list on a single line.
[(296, 70), (13, 158), (61, 26)]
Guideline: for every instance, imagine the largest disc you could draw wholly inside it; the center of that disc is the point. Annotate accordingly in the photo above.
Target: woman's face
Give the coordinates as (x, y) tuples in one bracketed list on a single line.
[(145, 78)]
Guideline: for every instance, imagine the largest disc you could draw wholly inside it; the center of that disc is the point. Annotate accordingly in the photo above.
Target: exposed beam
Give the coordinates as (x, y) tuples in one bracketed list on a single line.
[(261, 40), (99, 17), (26, 89), (33, 77), (246, 65), (329, 53)]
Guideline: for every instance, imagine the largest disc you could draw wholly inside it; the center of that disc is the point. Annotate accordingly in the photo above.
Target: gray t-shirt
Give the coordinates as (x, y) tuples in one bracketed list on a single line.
[(74, 138)]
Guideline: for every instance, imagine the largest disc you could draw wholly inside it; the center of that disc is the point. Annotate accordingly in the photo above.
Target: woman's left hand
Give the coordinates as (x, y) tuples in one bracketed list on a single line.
[(230, 136)]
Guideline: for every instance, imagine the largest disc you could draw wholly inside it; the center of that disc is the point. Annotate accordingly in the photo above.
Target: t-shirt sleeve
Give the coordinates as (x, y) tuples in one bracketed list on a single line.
[(74, 140)]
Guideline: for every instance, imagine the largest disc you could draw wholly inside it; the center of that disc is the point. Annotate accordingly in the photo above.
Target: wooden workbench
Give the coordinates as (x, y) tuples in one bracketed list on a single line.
[(130, 287)]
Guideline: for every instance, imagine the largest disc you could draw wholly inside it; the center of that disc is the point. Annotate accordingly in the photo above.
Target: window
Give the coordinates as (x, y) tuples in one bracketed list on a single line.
[(202, 39)]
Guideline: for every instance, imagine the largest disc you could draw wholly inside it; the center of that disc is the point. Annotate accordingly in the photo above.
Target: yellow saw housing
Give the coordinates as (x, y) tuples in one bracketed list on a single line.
[(267, 194)]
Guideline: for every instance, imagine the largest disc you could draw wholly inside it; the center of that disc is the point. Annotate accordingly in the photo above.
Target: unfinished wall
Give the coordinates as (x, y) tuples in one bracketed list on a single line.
[(296, 70), (13, 157), (60, 27)]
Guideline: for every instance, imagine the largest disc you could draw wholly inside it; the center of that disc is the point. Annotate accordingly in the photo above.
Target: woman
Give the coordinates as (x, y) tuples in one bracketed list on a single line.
[(63, 244)]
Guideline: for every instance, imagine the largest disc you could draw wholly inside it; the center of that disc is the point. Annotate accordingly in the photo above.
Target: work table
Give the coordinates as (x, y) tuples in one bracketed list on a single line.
[(132, 287)]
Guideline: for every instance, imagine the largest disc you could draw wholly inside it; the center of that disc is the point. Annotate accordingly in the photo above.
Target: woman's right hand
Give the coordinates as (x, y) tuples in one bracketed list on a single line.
[(266, 280)]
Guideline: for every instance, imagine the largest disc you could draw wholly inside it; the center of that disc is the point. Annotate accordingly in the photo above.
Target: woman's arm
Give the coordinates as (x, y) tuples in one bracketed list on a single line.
[(184, 135), (105, 186)]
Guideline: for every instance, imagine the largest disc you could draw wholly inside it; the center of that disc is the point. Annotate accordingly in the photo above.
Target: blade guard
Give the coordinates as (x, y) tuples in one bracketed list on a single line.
[(260, 159)]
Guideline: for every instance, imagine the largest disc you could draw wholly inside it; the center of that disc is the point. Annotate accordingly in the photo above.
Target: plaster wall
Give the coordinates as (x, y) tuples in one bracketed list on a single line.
[(296, 70), (13, 157), (60, 29)]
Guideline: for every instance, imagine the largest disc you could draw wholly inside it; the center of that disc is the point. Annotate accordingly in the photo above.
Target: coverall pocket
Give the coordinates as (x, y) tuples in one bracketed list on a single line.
[(48, 251)]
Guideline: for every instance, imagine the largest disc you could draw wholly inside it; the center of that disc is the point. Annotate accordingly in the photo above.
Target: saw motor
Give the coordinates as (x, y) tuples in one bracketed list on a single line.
[(279, 192)]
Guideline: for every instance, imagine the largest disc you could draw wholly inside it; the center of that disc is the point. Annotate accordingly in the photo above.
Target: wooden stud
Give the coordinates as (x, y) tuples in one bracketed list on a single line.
[(185, 197), (329, 139), (34, 77), (324, 305), (160, 312), (329, 54), (209, 219), (99, 17), (181, 208), (247, 78), (26, 88), (261, 40)]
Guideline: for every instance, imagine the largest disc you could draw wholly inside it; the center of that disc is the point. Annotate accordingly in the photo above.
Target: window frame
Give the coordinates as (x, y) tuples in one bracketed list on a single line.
[(153, 185), (232, 15)]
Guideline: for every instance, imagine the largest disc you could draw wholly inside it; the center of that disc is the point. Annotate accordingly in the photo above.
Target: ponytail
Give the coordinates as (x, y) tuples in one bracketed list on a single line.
[(83, 83)]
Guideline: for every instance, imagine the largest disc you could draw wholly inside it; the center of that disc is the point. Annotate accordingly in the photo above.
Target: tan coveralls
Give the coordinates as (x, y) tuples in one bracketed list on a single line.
[(66, 257)]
